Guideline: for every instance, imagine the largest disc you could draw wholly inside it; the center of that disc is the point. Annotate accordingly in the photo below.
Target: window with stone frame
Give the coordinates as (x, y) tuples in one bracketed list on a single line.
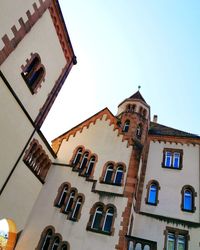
[(135, 243), (69, 201), (172, 158), (33, 72), (126, 126), (37, 160), (188, 199), (49, 240), (102, 218), (113, 173), (152, 193), (176, 239)]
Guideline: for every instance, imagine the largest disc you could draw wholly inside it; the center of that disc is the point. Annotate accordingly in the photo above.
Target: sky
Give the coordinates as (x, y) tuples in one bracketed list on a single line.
[(121, 44)]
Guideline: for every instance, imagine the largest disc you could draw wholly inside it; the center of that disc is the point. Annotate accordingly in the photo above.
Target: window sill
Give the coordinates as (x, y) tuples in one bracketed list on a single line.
[(152, 204), (110, 183), (163, 166), (98, 231), (188, 211)]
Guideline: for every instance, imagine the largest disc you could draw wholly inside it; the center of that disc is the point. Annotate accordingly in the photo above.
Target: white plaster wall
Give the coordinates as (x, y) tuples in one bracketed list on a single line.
[(19, 195), (10, 13), (152, 229), (14, 133), (103, 141), (44, 214), (171, 181), (41, 39)]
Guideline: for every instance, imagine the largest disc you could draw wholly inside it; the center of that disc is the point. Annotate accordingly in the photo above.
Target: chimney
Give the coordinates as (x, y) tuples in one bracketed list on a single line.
[(155, 118)]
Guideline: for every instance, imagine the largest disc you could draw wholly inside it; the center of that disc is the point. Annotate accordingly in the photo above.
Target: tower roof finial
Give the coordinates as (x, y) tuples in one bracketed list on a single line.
[(139, 87)]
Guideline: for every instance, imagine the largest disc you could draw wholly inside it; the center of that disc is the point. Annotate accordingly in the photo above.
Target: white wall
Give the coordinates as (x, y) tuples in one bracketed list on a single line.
[(171, 181), (41, 39)]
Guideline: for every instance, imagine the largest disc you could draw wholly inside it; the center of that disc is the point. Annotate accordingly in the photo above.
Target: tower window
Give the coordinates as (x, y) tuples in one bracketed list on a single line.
[(33, 73), (172, 158), (126, 126), (139, 131), (152, 193), (188, 199)]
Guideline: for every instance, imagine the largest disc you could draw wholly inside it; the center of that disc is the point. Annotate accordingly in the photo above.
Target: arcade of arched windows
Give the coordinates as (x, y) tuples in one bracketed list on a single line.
[(83, 161), (69, 201), (49, 240), (37, 160)]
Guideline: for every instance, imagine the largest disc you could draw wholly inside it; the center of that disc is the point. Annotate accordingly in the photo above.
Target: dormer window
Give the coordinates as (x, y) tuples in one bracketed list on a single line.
[(126, 126), (33, 73)]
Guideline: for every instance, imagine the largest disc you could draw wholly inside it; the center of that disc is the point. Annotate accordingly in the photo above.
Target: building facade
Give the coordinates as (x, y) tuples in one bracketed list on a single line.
[(119, 182), (36, 56)]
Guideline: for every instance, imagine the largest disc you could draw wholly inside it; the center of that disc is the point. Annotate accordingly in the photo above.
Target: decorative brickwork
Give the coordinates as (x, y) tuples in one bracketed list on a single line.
[(25, 27)]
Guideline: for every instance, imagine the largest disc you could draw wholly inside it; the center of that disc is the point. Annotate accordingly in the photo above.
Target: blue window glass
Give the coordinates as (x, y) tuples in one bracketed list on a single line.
[(108, 220), (176, 160), (168, 159), (118, 176), (126, 126), (187, 200), (152, 194), (109, 173), (96, 224)]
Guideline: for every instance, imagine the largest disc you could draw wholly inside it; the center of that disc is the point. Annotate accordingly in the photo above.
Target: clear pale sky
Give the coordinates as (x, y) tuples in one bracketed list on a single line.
[(121, 44)]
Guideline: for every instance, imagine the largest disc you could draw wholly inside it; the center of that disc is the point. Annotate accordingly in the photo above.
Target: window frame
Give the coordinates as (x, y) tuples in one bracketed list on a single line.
[(193, 195), (173, 151), (148, 187), (176, 233), (126, 126)]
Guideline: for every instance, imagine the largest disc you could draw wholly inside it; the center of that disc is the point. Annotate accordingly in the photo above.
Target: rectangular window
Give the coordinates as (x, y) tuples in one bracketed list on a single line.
[(172, 158), (176, 239)]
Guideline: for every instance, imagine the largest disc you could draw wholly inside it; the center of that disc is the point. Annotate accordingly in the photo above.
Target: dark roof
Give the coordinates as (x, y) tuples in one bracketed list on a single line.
[(137, 95), (158, 129)]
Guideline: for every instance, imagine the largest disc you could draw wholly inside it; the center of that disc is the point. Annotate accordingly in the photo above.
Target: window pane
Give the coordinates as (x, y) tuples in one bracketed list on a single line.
[(108, 220), (130, 245), (97, 218), (181, 243), (62, 197), (187, 200), (176, 161), (119, 175), (152, 194), (77, 208), (108, 176), (138, 246), (47, 240), (146, 247), (171, 242), (168, 159)]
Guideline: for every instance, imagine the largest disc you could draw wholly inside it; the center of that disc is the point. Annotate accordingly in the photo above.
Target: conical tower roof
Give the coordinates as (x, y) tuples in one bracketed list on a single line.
[(137, 96)]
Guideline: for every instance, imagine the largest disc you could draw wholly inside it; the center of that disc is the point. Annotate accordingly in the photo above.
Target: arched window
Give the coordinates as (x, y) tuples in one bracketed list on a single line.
[(56, 243), (64, 246), (128, 107), (108, 174), (188, 194), (62, 195), (70, 202), (96, 223), (139, 131), (77, 208), (130, 245), (119, 175), (77, 156), (108, 220), (126, 126), (90, 166), (138, 246), (152, 193), (84, 161), (33, 73), (46, 239), (146, 247)]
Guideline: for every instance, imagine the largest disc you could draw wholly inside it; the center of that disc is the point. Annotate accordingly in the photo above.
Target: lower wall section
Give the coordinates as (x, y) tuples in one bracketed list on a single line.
[(19, 195), (155, 230)]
